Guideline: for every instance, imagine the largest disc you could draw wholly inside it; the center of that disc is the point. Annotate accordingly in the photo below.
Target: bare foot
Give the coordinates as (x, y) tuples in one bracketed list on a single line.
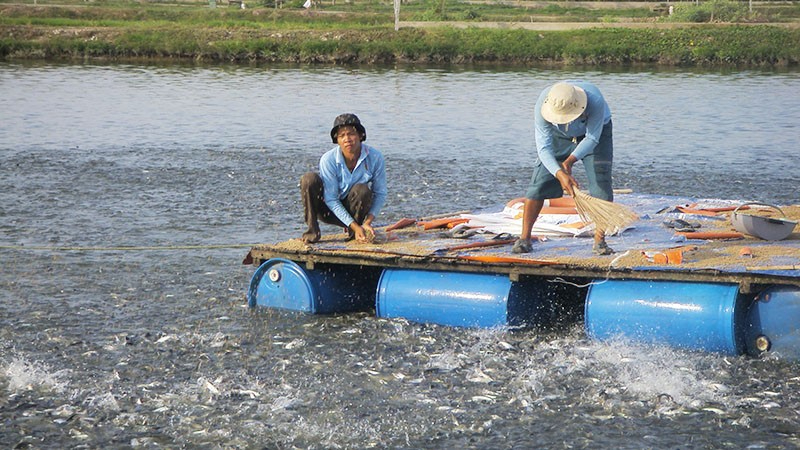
[(310, 237)]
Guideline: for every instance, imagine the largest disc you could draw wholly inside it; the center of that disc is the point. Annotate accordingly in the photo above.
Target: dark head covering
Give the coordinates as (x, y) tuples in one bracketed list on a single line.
[(347, 119)]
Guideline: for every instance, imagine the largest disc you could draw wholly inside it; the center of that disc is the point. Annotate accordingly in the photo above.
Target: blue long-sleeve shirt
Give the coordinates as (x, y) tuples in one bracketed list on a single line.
[(589, 124), (338, 180)]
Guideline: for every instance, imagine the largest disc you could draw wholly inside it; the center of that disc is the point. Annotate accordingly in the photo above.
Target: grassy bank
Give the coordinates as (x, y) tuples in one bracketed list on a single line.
[(367, 35)]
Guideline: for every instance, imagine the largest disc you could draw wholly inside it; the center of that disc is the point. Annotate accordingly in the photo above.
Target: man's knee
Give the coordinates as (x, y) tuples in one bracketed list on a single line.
[(359, 201), (309, 180), (361, 191)]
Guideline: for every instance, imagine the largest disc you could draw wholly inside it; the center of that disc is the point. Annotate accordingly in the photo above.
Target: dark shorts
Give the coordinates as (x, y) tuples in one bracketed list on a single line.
[(544, 185)]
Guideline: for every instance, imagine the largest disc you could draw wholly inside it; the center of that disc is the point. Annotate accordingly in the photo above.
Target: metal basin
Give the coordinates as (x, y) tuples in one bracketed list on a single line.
[(768, 228)]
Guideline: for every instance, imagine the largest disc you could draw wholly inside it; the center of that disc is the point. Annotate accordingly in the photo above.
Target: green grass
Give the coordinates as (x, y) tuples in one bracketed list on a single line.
[(363, 32)]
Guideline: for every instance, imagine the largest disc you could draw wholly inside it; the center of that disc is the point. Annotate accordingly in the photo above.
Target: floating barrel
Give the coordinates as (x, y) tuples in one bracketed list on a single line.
[(326, 289), (773, 323), (466, 299), (698, 316)]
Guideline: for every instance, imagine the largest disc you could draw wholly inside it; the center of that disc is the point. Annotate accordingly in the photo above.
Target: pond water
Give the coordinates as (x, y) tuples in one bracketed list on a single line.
[(129, 195)]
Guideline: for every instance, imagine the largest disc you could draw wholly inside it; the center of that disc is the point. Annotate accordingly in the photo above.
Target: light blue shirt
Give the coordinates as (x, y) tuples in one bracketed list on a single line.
[(338, 180), (589, 124)]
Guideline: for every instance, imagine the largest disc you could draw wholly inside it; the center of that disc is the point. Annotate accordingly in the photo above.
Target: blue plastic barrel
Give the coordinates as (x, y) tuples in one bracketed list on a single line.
[(463, 299), (698, 316), (326, 289), (773, 323)]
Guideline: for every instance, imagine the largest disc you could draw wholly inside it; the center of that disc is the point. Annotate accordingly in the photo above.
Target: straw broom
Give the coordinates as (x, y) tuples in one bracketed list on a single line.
[(609, 217)]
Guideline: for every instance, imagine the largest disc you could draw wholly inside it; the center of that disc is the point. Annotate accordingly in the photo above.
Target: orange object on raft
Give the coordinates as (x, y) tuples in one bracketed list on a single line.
[(442, 223)]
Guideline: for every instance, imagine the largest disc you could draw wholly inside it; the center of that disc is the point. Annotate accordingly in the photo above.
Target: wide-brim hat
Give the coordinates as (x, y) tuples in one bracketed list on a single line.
[(564, 103), (348, 119)]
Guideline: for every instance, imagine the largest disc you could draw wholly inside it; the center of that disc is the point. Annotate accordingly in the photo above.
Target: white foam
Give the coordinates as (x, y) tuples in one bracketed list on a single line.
[(26, 375)]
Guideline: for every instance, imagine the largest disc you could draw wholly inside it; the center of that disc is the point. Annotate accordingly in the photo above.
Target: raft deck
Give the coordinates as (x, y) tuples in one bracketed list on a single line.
[(647, 251)]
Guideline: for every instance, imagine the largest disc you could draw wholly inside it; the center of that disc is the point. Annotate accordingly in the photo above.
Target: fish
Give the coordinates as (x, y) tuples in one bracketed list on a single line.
[(245, 392), (167, 338), (505, 345), (477, 376), (208, 386), (297, 343)]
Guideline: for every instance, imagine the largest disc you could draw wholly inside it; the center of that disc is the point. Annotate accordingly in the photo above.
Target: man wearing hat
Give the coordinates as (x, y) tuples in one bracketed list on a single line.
[(572, 122), (350, 188)]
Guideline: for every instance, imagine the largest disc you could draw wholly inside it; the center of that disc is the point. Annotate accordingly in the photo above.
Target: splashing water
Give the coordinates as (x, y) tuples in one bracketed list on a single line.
[(24, 375)]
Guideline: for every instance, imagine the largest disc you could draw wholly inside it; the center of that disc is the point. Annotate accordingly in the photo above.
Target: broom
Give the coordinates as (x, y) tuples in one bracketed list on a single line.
[(609, 217)]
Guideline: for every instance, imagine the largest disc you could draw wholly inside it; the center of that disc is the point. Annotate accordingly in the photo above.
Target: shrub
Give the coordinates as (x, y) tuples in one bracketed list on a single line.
[(711, 11)]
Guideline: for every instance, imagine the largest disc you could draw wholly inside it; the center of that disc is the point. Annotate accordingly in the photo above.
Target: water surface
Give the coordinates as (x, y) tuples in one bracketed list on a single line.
[(138, 336)]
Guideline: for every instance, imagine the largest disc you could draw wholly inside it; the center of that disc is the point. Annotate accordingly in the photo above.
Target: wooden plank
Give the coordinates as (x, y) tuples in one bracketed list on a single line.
[(462, 264), (713, 255)]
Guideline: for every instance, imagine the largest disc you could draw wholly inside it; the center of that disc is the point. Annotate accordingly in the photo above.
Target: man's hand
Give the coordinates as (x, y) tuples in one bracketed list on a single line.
[(568, 183), (363, 233), (568, 163), (358, 231), (369, 232)]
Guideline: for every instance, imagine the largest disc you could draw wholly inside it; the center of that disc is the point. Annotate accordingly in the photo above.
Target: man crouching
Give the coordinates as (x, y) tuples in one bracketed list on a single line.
[(350, 188)]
